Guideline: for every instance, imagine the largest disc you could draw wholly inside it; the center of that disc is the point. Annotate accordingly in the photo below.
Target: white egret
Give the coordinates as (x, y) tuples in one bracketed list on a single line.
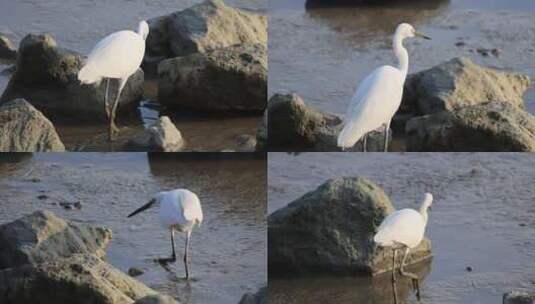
[(378, 96), (404, 229), (179, 210), (117, 56)]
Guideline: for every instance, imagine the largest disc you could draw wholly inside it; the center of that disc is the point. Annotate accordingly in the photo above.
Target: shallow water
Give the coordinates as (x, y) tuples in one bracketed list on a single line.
[(80, 24), (322, 53), (483, 217), (228, 252)]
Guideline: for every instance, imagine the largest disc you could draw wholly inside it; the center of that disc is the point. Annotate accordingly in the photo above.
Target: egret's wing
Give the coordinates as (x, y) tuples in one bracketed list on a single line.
[(405, 226), (117, 55), (191, 206), (376, 100)]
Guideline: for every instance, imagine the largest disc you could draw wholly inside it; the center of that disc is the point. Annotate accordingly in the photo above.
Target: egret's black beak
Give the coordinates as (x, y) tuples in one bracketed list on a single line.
[(142, 208), (417, 34)]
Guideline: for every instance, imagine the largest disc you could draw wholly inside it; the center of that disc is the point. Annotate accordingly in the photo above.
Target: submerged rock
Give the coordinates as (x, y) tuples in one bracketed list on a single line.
[(227, 79), (202, 28), (260, 297), (162, 136), (42, 236), (25, 129), (331, 229), (76, 279), (46, 76), (7, 49), (519, 297), (458, 83), (246, 143), (491, 126), (293, 126)]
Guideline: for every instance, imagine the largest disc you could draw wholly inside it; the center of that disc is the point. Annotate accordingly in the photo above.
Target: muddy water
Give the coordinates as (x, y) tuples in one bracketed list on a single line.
[(483, 217), (322, 53), (228, 251), (79, 24)]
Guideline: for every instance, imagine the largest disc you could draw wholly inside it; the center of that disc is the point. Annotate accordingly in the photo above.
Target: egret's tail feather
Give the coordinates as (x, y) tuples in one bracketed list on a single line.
[(351, 133), (87, 76)]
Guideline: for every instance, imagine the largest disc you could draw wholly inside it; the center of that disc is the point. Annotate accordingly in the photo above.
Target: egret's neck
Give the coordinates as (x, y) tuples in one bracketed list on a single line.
[(423, 212), (401, 54)]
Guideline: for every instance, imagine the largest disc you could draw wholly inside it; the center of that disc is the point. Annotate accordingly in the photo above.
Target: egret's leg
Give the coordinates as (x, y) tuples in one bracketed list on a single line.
[(112, 127), (414, 277), (387, 128), (106, 108), (186, 254), (364, 142), (173, 256), (394, 289)]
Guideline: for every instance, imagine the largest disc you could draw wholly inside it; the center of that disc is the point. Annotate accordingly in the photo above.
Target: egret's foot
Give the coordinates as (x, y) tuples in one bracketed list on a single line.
[(416, 287), (164, 261)]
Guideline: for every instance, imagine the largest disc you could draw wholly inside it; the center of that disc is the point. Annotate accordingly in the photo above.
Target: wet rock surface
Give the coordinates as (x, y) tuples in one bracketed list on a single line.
[(260, 297), (490, 126), (331, 229), (202, 28), (42, 236), (162, 136), (7, 49), (46, 76), (293, 126), (45, 259), (156, 299), (231, 78), (519, 297), (24, 129), (458, 83)]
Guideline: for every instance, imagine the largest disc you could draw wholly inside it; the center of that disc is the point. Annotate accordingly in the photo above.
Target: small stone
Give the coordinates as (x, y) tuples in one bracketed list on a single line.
[(468, 268), (134, 272), (522, 225), (460, 44), (78, 205), (42, 197), (496, 52), (483, 52)]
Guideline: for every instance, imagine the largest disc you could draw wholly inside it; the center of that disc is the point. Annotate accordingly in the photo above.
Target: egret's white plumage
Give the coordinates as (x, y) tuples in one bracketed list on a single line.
[(378, 96), (179, 210), (404, 229), (117, 56)]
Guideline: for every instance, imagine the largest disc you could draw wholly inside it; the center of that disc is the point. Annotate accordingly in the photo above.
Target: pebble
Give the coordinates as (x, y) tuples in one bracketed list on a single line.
[(469, 269), (134, 272)]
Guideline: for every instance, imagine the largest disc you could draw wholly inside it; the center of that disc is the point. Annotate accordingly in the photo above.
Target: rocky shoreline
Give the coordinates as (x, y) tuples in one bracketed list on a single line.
[(209, 58), (454, 106), (46, 259)]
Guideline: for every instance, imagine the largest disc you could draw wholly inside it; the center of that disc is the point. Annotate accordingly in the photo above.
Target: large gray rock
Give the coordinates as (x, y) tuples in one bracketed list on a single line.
[(260, 297), (331, 229), (491, 126), (201, 28), (25, 129), (227, 79), (41, 237), (458, 83), (78, 279), (46, 76), (162, 136), (7, 49), (293, 126), (519, 297)]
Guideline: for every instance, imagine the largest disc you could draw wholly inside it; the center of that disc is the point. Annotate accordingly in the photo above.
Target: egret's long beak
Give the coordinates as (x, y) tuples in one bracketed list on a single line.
[(142, 208), (418, 34)]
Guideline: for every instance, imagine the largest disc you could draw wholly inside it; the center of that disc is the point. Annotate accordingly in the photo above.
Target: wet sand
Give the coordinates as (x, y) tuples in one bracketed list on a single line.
[(231, 188), (483, 217), (322, 53), (79, 25)]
